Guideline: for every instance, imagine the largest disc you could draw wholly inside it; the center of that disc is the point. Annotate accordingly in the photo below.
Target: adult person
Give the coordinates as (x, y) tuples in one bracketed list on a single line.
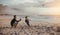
[(14, 22)]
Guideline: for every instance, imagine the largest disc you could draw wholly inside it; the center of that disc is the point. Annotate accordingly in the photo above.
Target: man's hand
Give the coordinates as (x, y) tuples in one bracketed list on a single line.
[(19, 20)]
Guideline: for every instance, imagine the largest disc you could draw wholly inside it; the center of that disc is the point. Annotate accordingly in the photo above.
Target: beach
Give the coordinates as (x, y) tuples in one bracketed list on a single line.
[(37, 27)]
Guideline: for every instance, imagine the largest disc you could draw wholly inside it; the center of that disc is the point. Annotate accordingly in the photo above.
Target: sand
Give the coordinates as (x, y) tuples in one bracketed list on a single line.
[(37, 28)]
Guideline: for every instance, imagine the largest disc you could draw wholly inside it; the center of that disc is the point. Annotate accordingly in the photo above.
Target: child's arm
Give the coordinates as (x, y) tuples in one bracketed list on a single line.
[(29, 19)]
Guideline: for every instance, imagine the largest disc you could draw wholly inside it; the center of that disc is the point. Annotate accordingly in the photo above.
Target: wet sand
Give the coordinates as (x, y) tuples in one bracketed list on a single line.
[(37, 28)]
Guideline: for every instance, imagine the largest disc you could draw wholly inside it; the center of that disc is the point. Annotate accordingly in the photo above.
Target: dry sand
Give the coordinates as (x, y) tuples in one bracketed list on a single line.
[(37, 28)]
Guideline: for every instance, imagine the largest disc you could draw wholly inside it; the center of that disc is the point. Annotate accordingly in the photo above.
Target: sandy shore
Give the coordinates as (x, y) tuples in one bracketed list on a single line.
[(37, 28)]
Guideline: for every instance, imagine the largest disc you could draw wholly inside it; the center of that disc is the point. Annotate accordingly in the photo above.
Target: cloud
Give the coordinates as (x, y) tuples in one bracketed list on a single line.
[(14, 2), (31, 10)]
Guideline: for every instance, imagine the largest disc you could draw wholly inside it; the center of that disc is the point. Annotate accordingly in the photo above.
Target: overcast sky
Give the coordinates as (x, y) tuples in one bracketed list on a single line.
[(14, 2), (53, 6)]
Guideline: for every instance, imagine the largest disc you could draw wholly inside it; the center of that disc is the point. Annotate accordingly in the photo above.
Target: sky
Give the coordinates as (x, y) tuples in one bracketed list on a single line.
[(14, 2), (45, 6)]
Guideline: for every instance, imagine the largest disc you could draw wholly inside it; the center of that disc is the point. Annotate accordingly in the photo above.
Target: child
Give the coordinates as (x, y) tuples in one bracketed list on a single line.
[(27, 21)]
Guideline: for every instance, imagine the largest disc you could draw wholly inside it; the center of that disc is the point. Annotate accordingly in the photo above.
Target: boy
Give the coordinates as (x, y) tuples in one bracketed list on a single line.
[(27, 21)]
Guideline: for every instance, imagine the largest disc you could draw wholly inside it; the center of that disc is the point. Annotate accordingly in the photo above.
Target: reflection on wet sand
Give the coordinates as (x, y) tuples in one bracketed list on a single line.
[(24, 30)]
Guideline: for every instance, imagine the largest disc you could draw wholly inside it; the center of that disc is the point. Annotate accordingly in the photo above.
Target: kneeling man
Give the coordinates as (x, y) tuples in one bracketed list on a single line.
[(14, 22)]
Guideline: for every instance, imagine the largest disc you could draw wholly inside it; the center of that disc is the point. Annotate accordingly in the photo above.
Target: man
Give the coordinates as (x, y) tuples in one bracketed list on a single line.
[(14, 22)]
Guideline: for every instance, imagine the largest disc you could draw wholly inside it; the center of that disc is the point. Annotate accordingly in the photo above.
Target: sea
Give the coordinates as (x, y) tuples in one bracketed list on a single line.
[(40, 18)]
